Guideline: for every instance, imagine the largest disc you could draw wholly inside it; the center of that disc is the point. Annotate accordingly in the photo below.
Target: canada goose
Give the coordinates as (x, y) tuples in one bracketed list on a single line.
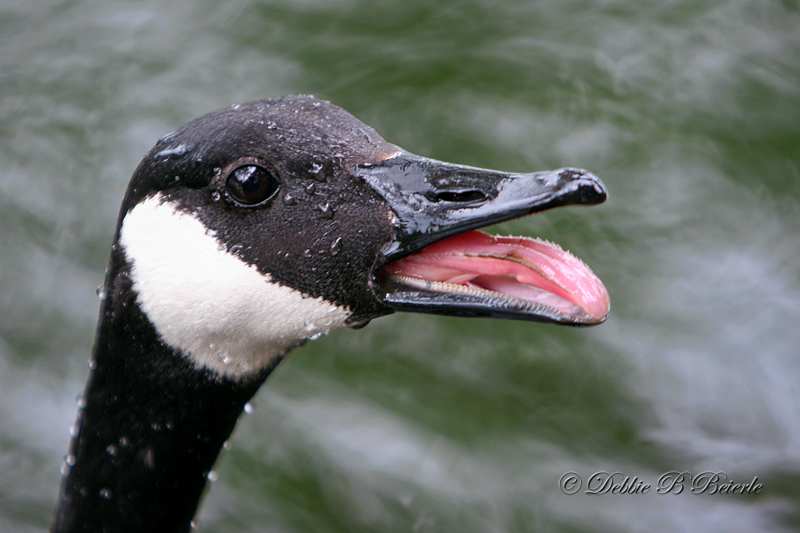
[(254, 228)]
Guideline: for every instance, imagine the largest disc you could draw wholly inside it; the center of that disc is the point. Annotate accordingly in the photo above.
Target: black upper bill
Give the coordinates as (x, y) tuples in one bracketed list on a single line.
[(433, 200)]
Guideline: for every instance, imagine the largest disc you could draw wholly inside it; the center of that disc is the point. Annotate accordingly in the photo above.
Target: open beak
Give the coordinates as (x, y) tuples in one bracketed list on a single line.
[(437, 263)]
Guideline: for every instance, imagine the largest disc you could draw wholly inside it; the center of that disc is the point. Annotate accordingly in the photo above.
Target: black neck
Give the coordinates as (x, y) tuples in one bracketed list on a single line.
[(152, 427)]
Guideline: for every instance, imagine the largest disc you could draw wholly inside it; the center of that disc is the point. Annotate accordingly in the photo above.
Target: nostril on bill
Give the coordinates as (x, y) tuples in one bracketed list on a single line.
[(460, 196)]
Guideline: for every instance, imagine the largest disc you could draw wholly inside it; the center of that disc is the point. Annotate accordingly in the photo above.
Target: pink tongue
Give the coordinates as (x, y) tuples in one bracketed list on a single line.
[(521, 267)]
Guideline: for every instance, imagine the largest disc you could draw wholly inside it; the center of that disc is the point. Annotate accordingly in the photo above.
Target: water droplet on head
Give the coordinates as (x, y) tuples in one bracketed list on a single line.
[(271, 125), (212, 476), (336, 246), (74, 431), (236, 106), (316, 168), (177, 151), (80, 399), (216, 196), (307, 252), (64, 469), (225, 358), (124, 442), (249, 408), (112, 450), (102, 293), (69, 460), (105, 493), (311, 187), (168, 137), (288, 199), (226, 445), (358, 325), (92, 364), (317, 336)]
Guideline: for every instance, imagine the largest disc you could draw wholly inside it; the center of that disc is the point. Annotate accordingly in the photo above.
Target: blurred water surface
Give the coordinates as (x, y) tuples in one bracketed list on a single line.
[(689, 111)]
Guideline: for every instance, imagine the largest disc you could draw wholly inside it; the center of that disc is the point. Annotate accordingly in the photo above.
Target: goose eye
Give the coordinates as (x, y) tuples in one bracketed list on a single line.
[(251, 184)]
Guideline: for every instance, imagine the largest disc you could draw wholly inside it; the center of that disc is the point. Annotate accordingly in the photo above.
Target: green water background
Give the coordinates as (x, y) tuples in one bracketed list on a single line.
[(688, 110)]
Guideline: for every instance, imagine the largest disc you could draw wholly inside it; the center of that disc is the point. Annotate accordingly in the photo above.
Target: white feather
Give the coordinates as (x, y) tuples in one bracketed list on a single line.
[(217, 310)]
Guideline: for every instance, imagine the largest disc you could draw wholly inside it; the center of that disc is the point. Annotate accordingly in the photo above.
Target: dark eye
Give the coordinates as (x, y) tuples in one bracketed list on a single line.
[(251, 184)]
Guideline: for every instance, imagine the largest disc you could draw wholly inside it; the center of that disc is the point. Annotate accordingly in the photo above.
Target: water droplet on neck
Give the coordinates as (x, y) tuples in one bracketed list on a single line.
[(102, 293), (326, 210), (105, 493), (288, 199), (336, 245), (70, 460), (212, 476), (92, 364), (249, 408), (307, 252), (311, 187), (112, 450)]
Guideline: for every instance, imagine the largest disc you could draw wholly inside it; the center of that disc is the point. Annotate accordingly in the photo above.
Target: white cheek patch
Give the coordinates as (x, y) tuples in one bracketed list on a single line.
[(217, 310)]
